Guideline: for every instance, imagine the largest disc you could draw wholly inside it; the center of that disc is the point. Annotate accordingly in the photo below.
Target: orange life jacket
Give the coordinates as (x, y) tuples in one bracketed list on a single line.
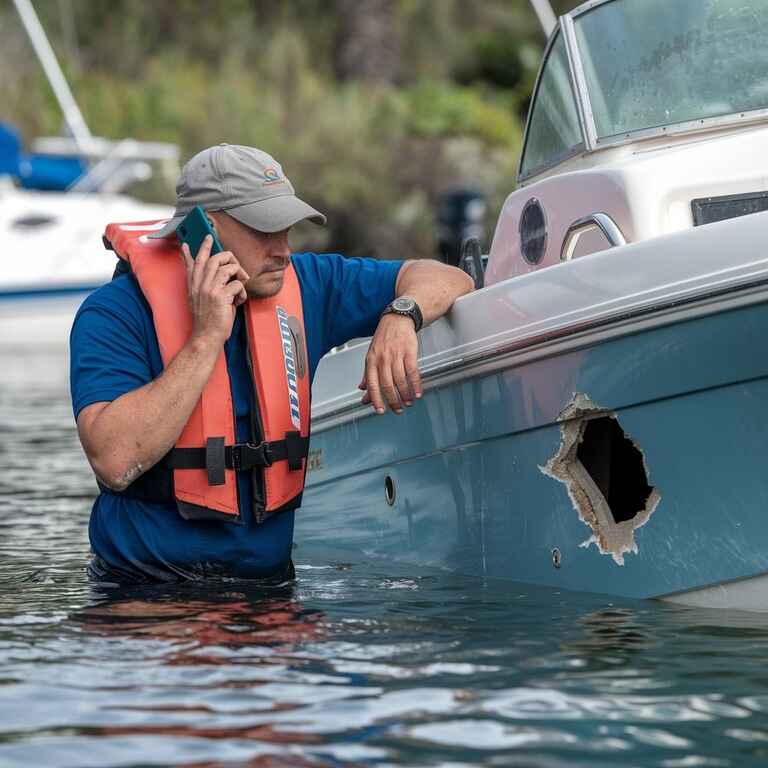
[(207, 457)]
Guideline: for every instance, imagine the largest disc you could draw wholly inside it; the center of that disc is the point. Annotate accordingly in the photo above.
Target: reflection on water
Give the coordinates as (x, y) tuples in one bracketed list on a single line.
[(357, 664)]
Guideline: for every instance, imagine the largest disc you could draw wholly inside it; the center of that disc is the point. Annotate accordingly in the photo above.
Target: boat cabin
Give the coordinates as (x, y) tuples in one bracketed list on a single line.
[(648, 117)]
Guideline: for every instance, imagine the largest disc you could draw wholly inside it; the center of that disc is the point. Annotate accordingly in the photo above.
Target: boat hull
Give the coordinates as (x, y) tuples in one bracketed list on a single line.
[(55, 258), (471, 463), (470, 493), (39, 319)]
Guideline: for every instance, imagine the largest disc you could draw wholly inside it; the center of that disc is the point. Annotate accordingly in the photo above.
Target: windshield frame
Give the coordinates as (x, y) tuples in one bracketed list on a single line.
[(571, 152), (590, 139)]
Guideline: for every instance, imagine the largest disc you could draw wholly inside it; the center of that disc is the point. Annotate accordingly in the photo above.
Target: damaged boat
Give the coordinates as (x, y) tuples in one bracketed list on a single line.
[(596, 416)]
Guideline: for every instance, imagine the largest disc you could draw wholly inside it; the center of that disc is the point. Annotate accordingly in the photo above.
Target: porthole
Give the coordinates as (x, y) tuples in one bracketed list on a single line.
[(389, 490), (533, 232)]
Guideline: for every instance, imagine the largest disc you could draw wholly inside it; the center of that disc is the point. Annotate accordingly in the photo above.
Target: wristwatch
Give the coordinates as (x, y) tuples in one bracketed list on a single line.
[(404, 305)]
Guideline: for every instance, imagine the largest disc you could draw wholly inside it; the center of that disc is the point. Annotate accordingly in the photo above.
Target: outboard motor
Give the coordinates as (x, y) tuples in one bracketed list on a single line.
[(460, 217), (471, 261)]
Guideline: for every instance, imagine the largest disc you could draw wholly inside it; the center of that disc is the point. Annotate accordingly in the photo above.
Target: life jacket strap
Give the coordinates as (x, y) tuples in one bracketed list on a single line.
[(242, 456)]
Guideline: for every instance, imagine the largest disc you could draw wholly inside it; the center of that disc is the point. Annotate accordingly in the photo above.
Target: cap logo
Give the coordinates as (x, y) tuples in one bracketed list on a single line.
[(272, 176)]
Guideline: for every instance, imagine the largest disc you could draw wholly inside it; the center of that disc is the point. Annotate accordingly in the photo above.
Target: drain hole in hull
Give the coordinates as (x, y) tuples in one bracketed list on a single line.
[(389, 490), (616, 466)]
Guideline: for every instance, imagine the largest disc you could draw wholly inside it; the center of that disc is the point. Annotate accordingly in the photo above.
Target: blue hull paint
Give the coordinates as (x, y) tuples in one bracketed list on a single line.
[(471, 496)]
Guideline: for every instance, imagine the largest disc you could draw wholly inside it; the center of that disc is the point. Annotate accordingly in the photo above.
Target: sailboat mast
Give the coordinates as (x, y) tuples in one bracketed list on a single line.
[(545, 15), (72, 114)]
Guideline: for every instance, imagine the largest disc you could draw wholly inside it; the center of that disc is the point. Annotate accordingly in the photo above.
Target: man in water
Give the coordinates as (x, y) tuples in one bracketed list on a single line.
[(131, 408)]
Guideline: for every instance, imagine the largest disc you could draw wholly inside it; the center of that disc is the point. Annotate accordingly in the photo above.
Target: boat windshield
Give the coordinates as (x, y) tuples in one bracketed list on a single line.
[(652, 63), (553, 125)]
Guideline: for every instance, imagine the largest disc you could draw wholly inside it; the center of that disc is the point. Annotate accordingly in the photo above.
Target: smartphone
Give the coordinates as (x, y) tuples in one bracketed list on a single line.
[(194, 228)]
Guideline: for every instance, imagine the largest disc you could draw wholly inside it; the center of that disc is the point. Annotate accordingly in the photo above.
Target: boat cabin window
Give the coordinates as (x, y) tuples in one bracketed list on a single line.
[(33, 221), (654, 63), (553, 126)]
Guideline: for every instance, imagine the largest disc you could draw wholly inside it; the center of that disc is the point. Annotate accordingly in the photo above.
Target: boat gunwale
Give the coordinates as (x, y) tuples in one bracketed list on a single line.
[(567, 338)]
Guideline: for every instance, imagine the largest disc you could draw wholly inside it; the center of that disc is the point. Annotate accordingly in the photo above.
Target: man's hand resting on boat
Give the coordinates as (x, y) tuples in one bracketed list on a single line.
[(391, 377)]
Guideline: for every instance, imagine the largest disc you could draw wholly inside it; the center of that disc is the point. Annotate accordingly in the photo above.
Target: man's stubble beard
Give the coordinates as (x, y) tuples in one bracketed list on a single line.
[(256, 291)]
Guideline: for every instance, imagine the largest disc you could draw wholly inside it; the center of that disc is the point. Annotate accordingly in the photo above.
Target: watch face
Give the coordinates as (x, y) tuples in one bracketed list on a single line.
[(403, 304)]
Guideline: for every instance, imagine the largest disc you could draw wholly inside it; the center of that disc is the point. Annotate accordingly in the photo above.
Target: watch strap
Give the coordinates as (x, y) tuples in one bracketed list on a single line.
[(414, 313)]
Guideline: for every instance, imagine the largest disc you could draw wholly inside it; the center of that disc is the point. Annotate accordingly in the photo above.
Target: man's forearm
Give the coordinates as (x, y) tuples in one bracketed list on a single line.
[(133, 432), (433, 286), (391, 367)]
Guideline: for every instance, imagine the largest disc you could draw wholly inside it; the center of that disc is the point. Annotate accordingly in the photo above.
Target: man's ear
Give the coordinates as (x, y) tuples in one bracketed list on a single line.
[(214, 222)]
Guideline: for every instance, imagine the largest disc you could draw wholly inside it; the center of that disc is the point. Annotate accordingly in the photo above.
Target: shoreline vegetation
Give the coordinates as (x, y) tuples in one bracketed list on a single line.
[(374, 107)]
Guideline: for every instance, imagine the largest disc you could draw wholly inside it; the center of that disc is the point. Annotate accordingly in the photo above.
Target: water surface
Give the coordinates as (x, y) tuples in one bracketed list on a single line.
[(358, 664)]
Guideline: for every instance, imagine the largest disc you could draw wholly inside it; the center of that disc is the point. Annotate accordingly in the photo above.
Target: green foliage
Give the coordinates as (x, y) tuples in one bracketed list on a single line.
[(374, 157), (437, 109), (497, 60)]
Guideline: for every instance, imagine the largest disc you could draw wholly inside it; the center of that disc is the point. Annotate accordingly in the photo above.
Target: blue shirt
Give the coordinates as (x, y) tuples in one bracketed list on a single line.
[(114, 350)]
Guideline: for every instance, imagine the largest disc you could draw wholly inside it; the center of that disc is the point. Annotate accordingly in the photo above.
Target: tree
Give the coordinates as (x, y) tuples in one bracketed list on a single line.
[(367, 40)]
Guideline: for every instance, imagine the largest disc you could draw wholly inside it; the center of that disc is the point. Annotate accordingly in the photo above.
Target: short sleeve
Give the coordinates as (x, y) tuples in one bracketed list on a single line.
[(108, 349), (347, 295)]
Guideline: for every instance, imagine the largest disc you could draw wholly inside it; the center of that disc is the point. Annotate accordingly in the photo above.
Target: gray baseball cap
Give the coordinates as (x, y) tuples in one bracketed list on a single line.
[(243, 181)]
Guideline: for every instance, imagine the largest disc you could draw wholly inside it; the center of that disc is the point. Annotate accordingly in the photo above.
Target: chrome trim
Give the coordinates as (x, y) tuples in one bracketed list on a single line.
[(535, 93), (603, 222), (537, 170), (571, 151), (692, 126), (579, 85), (676, 308), (588, 6)]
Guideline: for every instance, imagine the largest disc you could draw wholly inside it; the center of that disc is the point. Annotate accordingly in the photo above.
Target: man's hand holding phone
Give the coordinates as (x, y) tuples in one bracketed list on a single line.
[(216, 287)]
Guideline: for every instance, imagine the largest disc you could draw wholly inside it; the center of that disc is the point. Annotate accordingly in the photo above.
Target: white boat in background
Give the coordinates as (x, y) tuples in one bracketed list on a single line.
[(54, 205), (53, 258), (51, 225)]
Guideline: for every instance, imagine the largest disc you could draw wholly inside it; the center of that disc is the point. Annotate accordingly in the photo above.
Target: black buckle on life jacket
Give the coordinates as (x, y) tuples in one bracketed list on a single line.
[(250, 455), (216, 456)]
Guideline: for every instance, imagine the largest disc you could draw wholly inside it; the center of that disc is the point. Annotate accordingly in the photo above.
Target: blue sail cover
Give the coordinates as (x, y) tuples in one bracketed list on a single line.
[(34, 171)]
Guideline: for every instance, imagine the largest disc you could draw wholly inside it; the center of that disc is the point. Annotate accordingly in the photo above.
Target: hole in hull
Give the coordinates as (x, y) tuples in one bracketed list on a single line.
[(616, 466), (605, 474)]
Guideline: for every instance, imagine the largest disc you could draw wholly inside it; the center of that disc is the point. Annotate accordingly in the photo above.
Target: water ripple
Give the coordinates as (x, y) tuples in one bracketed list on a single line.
[(360, 663)]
